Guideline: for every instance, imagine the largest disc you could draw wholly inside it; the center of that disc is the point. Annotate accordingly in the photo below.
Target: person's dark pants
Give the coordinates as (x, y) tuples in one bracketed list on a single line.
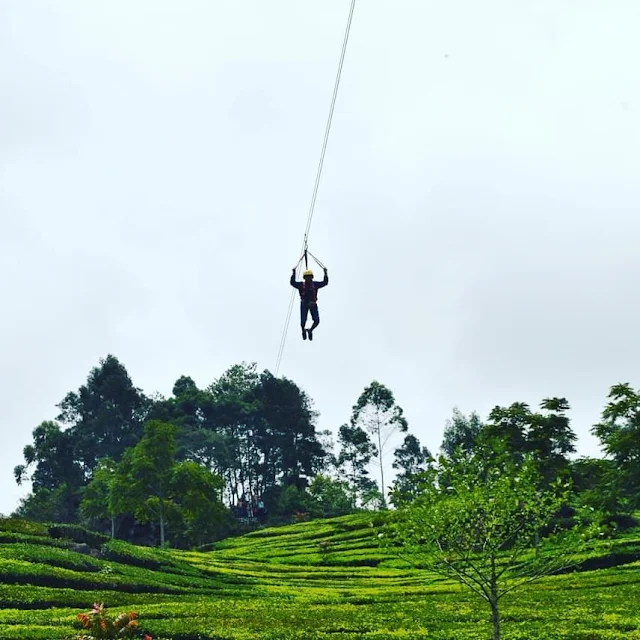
[(305, 308)]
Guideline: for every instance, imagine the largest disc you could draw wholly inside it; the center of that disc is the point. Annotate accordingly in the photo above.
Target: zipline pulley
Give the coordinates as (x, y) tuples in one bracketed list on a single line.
[(305, 257)]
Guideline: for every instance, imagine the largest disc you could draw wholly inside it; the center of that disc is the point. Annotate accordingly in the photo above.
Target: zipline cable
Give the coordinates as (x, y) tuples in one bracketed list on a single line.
[(318, 176)]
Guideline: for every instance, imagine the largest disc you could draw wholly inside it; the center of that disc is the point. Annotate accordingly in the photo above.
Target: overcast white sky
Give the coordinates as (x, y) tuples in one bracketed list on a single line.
[(478, 212)]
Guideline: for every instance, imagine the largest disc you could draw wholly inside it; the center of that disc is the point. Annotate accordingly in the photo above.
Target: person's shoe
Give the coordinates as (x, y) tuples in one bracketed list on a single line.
[(304, 334), (310, 332)]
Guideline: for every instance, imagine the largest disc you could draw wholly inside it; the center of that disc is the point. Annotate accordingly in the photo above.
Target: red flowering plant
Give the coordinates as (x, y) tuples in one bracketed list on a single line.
[(99, 626)]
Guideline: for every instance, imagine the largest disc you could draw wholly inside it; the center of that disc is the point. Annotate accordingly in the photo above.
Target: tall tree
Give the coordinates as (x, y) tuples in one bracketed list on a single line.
[(332, 496), (188, 408), (598, 483), (235, 420), (288, 435), (376, 410), (411, 459), (143, 480), (193, 412), (53, 457), (461, 431), (510, 425), (356, 451), (98, 497), (105, 415), (57, 477), (619, 433), (550, 437), (239, 380), (327, 443), (198, 493), (50, 505), (153, 485), (546, 434)]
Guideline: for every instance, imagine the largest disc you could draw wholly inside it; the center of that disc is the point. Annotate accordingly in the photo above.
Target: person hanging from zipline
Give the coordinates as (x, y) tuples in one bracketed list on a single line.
[(308, 289)]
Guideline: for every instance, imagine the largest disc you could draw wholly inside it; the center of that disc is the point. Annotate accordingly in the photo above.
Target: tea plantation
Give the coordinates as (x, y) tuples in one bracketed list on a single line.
[(320, 580)]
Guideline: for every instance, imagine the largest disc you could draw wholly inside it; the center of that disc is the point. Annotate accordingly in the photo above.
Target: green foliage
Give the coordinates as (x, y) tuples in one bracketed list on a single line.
[(255, 431), (50, 505), (287, 429), (461, 432), (376, 410), (249, 438), (105, 415), (103, 418), (487, 521), (619, 433), (277, 584), (331, 497), (98, 496), (142, 483), (357, 450), (78, 534), (7, 537), (52, 454), (151, 484), (546, 435), (125, 553), (197, 491), (598, 484), (411, 460), (293, 501), (27, 527), (47, 555)]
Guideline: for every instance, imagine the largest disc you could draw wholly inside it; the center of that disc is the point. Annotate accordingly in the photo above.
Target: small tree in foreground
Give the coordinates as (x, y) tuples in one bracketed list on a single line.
[(484, 521)]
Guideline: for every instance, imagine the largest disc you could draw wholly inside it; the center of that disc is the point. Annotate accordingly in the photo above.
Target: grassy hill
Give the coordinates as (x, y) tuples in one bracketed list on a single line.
[(320, 580)]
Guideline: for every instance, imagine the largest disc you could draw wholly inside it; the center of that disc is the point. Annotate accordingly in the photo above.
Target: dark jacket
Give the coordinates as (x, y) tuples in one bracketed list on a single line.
[(309, 294)]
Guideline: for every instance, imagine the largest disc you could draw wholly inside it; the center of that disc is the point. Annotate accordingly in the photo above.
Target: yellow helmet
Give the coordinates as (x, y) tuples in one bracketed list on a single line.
[(308, 272)]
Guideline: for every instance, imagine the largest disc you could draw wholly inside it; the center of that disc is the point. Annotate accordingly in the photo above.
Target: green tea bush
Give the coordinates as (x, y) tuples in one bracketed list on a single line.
[(7, 537), (277, 588), (126, 553), (50, 555), (19, 525), (78, 534)]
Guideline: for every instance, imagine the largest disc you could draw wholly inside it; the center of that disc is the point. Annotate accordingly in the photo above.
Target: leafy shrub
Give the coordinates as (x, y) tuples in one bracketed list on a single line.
[(101, 627)]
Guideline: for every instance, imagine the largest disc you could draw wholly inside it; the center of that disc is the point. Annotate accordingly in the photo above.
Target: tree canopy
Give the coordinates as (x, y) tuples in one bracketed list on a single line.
[(245, 450)]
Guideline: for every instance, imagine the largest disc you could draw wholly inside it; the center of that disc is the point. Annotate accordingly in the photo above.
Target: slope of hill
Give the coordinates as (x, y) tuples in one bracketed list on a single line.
[(318, 580)]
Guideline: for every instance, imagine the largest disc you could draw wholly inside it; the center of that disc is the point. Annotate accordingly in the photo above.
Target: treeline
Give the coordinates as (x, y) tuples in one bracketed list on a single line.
[(202, 463), (609, 485), (206, 463)]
